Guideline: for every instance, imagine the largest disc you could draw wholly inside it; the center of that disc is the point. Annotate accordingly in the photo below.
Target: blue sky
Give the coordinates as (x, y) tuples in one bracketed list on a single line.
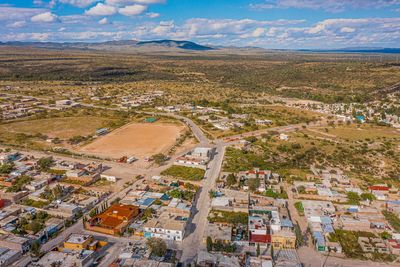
[(263, 23)]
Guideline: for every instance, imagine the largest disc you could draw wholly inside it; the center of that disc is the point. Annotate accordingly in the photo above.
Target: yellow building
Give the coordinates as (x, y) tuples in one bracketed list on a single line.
[(284, 240), (79, 242)]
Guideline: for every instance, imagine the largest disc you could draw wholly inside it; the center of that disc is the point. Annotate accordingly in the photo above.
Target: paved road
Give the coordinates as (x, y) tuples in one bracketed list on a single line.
[(293, 211), (52, 243), (193, 241), (197, 132)]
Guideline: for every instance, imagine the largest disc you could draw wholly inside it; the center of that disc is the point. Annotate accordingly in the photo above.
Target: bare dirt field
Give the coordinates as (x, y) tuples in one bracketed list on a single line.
[(136, 139)]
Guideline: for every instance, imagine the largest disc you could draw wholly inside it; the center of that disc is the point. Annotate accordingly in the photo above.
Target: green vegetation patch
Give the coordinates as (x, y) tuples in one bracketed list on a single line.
[(228, 217), (32, 223), (35, 203), (185, 173), (238, 160), (273, 194), (19, 183), (181, 194), (351, 247), (393, 220), (299, 207)]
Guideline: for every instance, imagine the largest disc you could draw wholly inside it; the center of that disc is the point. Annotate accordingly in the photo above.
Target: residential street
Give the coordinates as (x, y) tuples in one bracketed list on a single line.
[(196, 226), (194, 236)]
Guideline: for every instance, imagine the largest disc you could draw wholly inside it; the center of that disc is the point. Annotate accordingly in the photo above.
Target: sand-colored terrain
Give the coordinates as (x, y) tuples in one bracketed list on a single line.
[(64, 127), (136, 139)]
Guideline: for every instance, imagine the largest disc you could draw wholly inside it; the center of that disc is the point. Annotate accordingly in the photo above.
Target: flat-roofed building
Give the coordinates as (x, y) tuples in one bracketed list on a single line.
[(284, 239), (81, 258), (218, 233), (15, 243), (114, 220), (78, 241), (167, 226), (8, 256)]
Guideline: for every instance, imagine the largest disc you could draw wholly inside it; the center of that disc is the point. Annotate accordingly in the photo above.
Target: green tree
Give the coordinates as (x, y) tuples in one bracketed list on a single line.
[(35, 248), (258, 249), (209, 244), (93, 213), (159, 158), (385, 235), (58, 192), (148, 213), (45, 163), (251, 139), (6, 168), (157, 246), (253, 184), (353, 198), (231, 180), (19, 183), (35, 226), (368, 196), (218, 246), (212, 193)]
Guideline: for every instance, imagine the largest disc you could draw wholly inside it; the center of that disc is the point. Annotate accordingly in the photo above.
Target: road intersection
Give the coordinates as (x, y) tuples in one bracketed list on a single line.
[(193, 241)]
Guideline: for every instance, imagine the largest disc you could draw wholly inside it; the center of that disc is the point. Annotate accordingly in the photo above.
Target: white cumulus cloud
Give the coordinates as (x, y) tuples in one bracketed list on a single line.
[(130, 2), (103, 21), (44, 17), (347, 29), (152, 15), (16, 13), (327, 5), (258, 32), (132, 10), (101, 10), (78, 3), (17, 24)]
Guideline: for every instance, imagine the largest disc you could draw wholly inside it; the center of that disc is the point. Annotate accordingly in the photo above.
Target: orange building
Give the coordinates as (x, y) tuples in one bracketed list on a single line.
[(114, 220)]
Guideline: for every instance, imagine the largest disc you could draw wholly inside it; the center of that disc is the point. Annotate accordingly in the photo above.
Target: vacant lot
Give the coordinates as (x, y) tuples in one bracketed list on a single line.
[(185, 173), (137, 139), (356, 132), (62, 128)]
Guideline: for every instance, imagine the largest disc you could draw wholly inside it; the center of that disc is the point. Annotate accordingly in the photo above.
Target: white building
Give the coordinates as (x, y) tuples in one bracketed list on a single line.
[(283, 137), (167, 226)]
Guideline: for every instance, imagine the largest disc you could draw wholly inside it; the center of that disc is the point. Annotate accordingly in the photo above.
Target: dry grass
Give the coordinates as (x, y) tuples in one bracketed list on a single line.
[(356, 132), (63, 128)]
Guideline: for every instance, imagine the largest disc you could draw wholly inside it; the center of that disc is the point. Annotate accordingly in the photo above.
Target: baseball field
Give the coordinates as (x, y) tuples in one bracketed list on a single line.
[(136, 139)]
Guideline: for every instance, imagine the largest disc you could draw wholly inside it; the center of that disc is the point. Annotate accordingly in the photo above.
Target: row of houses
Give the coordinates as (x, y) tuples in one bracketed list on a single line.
[(268, 221), (146, 212), (349, 112), (36, 202)]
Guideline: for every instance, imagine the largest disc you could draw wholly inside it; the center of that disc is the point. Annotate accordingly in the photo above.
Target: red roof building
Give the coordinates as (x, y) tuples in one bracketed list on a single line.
[(254, 238), (378, 188)]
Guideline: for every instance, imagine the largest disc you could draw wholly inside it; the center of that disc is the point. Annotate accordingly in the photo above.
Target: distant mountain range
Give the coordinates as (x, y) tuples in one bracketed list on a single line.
[(118, 45), (173, 45), (383, 50)]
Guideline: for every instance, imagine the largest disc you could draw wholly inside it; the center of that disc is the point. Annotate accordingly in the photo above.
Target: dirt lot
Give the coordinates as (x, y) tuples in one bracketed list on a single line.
[(136, 139), (57, 127)]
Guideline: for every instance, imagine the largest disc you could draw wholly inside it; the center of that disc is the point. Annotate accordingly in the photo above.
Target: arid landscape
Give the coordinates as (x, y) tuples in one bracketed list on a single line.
[(136, 139), (162, 133)]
